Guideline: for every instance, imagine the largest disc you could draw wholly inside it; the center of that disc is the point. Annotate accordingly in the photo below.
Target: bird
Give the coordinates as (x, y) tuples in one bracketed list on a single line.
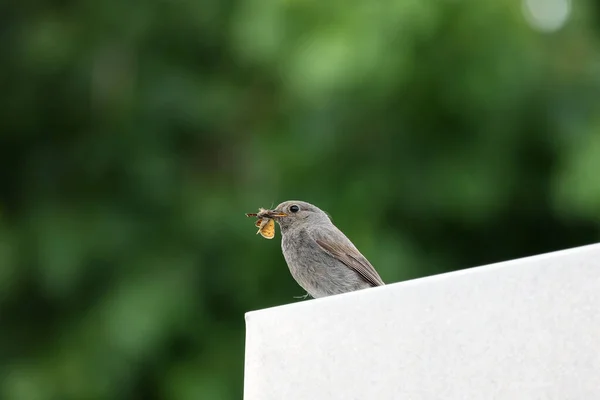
[(321, 259)]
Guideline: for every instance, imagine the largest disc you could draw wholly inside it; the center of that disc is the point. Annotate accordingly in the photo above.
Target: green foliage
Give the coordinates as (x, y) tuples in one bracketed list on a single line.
[(134, 137)]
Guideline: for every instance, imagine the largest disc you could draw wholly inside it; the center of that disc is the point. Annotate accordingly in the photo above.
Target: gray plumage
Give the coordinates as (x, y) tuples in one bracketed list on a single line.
[(320, 257)]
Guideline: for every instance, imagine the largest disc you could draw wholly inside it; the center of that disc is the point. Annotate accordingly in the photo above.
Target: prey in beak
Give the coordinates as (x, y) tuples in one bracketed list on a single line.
[(266, 221)]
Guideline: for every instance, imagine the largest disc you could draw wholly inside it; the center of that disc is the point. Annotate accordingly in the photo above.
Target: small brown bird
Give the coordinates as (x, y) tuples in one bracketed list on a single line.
[(320, 257)]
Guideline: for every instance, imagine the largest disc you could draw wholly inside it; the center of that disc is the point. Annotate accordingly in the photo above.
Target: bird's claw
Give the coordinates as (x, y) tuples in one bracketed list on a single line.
[(302, 297)]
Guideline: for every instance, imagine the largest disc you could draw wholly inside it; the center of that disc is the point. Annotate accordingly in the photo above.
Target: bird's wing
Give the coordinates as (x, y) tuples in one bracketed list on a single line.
[(346, 253)]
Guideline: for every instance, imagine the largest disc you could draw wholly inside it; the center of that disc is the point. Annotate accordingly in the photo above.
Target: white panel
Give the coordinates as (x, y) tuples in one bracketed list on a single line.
[(524, 329)]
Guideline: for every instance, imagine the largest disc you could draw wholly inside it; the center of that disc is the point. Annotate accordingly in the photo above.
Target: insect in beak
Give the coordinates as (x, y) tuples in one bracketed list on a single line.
[(266, 228), (265, 222)]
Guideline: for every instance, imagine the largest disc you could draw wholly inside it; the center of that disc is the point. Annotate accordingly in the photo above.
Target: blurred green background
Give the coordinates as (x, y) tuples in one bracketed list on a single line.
[(135, 135)]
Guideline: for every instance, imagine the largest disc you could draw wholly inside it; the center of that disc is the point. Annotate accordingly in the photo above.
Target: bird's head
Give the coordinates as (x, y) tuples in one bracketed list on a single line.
[(294, 213)]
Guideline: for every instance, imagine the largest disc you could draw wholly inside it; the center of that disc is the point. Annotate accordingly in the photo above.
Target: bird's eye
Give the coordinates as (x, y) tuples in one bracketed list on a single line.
[(294, 208)]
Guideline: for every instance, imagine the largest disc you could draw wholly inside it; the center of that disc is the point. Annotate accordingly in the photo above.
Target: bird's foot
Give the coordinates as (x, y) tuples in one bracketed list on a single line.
[(302, 297)]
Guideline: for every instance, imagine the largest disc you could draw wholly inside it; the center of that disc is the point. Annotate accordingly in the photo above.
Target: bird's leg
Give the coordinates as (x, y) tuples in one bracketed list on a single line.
[(302, 297)]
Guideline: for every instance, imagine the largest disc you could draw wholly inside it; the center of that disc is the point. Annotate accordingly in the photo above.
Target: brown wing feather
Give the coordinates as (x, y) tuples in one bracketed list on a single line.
[(352, 258)]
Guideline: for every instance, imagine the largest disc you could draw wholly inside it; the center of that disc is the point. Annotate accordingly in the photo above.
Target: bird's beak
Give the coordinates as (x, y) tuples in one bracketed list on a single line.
[(275, 214)]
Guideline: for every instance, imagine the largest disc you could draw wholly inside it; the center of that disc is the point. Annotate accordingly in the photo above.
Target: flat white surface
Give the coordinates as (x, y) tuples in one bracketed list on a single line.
[(524, 329)]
